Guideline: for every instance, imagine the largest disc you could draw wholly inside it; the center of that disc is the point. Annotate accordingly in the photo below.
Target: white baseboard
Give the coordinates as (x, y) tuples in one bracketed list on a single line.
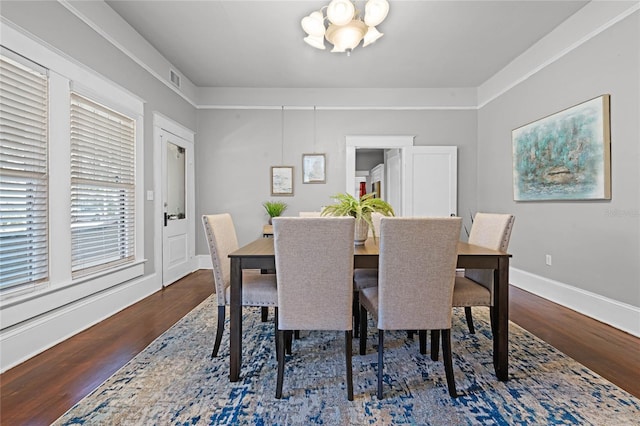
[(612, 312), (204, 261), (32, 337)]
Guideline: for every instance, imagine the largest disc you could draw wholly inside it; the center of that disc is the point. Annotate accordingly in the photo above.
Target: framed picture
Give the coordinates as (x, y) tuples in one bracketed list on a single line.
[(281, 180), (564, 156), (313, 168)]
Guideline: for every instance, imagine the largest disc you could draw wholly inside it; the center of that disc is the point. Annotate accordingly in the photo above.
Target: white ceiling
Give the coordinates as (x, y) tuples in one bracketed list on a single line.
[(427, 44)]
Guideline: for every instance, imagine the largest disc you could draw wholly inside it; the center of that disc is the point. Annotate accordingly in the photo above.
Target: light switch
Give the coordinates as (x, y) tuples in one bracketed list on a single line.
[(149, 195)]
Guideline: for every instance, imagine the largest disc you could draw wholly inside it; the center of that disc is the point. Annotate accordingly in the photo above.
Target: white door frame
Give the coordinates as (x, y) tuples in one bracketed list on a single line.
[(371, 142), (160, 124)]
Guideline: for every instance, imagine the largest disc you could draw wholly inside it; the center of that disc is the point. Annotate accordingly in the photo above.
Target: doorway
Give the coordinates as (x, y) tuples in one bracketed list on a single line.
[(424, 178), (174, 155), (354, 143)]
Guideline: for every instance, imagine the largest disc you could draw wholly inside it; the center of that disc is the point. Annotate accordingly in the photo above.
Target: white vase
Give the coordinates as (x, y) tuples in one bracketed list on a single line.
[(361, 232)]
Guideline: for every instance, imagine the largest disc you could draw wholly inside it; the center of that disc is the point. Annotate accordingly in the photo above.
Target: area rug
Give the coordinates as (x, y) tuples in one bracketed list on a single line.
[(175, 382)]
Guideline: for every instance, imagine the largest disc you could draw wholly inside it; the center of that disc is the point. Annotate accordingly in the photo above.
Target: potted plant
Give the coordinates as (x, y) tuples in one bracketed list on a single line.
[(360, 208), (274, 208)]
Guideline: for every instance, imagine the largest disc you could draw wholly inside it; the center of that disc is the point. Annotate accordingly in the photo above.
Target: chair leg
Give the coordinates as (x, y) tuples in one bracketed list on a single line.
[(219, 330), (422, 335), (435, 344), (448, 363), (380, 361), (280, 377), (492, 317), (469, 317), (264, 312), (348, 337), (275, 331), (410, 334), (288, 338), (363, 330), (356, 314), (296, 334)]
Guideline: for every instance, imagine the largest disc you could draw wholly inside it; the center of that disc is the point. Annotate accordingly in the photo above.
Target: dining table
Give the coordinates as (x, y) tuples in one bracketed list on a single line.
[(260, 254)]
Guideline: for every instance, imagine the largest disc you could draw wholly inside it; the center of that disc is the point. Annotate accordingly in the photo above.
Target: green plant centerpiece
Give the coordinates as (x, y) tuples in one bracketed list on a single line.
[(274, 208), (360, 208)]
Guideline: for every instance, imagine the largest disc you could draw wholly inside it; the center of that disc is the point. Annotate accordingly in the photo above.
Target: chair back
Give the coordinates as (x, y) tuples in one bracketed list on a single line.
[(309, 214), (490, 230), (314, 268), (222, 240), (417, 265)]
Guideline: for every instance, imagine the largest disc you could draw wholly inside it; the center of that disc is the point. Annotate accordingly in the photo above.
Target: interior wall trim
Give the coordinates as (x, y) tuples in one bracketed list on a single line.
[(84, 11), (341, 108), (27, 339), (609, 311), (587, 23), (595, 18)]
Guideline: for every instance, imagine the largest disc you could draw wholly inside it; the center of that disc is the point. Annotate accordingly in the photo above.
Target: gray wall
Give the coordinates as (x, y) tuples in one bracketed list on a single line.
[(50, 21), (236, 148), (595, 244)]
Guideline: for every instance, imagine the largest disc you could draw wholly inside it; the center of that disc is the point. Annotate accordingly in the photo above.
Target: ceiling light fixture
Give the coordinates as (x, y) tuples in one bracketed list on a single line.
[(346, 27)]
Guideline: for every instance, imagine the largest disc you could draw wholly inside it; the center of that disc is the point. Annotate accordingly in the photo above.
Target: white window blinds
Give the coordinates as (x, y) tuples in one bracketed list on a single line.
[(102, 187), (23, 173)]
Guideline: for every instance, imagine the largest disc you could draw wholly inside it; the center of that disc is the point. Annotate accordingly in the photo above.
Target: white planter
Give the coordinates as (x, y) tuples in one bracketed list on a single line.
[(361, 232)]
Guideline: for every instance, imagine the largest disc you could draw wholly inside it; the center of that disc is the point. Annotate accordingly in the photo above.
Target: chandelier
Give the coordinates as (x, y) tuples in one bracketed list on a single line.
[(346, 27)]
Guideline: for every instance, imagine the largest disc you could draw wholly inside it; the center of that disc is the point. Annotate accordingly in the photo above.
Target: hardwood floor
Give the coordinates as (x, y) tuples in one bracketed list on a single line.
[(613, 354), (41, 389)]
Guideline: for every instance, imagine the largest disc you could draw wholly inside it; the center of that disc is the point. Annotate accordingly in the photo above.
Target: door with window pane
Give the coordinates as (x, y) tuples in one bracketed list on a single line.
[(178, 222)]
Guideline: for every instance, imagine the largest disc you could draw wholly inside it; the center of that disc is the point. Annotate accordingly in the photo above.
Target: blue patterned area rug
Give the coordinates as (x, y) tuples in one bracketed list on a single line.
[(174, 381)]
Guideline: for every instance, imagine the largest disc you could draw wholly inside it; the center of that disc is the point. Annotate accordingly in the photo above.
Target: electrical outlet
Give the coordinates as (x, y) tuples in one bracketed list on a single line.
[(547, 259)]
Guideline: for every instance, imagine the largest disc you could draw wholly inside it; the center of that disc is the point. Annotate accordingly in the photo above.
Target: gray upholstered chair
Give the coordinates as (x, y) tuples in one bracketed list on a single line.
[(365, 277), (415, 285), (309, 214), (257, 289), (475, 288), (314, 266)]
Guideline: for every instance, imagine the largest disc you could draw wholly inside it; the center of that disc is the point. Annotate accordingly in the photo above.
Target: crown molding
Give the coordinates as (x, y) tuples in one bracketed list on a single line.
[(108, 24), (585, 24), (594, 18)]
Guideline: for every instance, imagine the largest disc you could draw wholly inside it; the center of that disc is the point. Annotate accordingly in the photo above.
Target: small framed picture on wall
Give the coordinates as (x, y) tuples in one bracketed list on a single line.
[(313, 168), (281, 180)]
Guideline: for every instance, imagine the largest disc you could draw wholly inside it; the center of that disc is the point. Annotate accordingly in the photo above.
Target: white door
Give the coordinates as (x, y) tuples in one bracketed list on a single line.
[(393, 172), (430, 181), (178, 230)]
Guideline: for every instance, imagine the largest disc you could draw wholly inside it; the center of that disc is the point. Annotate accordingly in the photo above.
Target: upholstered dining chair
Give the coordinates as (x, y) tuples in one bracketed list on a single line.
[(314, 266), (415, 285), (257, 289), (365, 277), (309, 214), (475, 288)]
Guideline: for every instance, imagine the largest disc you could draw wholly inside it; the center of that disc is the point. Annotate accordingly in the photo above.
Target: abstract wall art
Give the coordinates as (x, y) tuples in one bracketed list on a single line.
[(564, 156)]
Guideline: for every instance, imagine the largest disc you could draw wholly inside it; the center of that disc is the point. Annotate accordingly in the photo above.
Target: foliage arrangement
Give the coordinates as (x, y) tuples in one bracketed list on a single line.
[(274, 208), (360, 208)]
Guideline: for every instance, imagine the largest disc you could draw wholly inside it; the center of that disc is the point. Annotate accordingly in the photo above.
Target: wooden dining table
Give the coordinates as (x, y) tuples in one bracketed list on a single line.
[(260, 254)]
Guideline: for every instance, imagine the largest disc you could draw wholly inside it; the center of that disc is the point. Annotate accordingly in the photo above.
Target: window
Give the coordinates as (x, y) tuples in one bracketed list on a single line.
[(102, 187), (23, 172)]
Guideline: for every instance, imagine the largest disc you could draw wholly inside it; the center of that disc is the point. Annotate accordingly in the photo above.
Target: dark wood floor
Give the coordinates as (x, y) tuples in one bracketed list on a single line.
[(41, 389)]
